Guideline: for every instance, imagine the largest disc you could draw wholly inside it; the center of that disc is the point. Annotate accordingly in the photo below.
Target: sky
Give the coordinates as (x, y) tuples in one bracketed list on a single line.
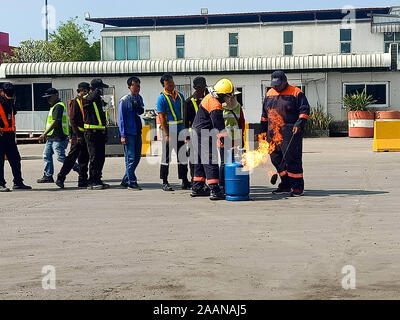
[(22, 19)]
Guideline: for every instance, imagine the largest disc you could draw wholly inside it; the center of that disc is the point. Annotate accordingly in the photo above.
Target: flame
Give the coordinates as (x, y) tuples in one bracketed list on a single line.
[(253, 159)]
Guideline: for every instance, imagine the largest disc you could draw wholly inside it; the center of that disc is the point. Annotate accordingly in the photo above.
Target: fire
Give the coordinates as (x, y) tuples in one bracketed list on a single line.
[(253, 159)]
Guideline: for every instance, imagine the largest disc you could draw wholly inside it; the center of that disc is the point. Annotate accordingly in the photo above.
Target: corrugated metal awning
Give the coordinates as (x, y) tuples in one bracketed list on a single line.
[(226, 65), (386, 23)]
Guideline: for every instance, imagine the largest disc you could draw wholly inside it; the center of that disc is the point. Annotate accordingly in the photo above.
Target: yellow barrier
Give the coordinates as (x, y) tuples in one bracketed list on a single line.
[(146, 140), (387, 136)]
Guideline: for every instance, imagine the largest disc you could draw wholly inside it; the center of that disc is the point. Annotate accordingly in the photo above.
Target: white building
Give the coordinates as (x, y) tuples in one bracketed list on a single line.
[(327, 53)]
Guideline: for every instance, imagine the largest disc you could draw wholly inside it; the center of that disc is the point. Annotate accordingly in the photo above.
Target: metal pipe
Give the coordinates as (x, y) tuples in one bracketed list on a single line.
[(47, 20)]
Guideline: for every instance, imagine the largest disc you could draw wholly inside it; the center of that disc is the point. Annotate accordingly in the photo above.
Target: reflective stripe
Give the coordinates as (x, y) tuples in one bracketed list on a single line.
[(100, 125), (199, 179), (361, 123), (295, 175), (213, 181), (3, 116), (196, 107), (173, 111), (81, 129), (283, 173), (65, 119), (304, 116), (83, 113)]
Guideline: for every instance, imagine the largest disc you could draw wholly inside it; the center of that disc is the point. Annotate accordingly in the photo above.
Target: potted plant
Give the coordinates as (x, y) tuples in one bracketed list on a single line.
[(361, 119), (318, 123)]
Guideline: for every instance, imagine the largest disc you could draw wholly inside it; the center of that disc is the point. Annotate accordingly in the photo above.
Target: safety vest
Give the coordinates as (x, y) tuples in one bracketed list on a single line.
[(196, 107), (3, 117), (100, 126), (231, 124), (79, 101), (65, 120), (176, 121)]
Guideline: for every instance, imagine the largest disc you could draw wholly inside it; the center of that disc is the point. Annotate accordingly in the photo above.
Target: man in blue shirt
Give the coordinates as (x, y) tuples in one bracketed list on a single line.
[(170, 109), (130, 127)]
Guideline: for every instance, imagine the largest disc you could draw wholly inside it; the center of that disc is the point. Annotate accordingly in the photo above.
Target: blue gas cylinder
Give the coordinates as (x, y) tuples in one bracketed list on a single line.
[(237, 181)]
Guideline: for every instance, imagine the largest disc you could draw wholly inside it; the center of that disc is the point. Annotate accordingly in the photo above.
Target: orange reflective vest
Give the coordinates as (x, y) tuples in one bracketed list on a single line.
[(3, 117)]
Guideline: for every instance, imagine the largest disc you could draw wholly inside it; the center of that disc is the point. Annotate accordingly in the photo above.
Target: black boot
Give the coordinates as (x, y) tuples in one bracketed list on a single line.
[(46, 179)]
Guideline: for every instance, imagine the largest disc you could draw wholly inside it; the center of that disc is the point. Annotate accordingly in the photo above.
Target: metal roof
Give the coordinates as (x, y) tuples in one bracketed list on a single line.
[(256, 17), (386, 23), (225, 65)]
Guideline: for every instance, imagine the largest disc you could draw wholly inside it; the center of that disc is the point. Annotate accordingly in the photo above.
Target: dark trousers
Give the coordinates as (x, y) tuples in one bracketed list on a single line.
[(206, 169), (8, 147), (180, 149), (291, 170), (96, 144), (78, 151)]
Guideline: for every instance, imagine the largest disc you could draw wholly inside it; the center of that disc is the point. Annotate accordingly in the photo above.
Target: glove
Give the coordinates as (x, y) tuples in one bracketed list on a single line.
[(301, 123)]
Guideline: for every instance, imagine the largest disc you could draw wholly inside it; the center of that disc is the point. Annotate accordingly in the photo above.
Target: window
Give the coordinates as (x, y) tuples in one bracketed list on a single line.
[(288, 43), (379, 91), (345, 40), (180, 46), (391, 37), (126, 48), (120, 48), (40, 104), (132, 48), (23, 92), (108, 48), (233, 44)]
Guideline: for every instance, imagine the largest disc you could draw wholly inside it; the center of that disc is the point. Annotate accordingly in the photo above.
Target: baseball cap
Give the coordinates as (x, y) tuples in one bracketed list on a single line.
[(277, 78), (200, 82), (50, 92), (83, 85), (98, 84), (8, 88)]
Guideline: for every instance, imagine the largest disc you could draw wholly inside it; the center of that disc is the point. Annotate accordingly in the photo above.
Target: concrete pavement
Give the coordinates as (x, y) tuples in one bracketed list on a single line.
[(120, 244)]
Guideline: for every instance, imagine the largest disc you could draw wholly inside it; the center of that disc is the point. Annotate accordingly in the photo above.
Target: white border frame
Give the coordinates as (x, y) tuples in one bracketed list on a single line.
[(365, 83)]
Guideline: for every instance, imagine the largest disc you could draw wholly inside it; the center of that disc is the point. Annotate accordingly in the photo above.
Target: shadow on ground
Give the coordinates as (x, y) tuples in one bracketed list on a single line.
[(264, 193)]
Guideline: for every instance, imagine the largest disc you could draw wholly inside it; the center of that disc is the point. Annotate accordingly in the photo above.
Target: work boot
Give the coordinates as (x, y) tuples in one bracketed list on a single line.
[(134, 186), (217, 195), (21, 186), (186, 185), (282, 189), (4, 189), (205, 192), (124, 185), (98, 186), (167, 187), (60, 182), (46, 179), (297, 193), (83, 184)]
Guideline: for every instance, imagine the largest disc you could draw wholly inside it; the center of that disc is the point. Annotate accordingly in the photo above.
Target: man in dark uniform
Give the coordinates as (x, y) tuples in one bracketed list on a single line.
[(78, 149), (286, 104), (8, 146), (208, 134), (190, 110), (95, 126)]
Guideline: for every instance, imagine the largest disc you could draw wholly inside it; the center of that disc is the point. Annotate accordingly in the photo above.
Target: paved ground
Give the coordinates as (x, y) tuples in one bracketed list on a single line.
[(119, 244)]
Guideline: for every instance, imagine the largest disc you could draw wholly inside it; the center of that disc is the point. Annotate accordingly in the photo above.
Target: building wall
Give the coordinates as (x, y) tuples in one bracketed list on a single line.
[(254, 40), (254, 86)]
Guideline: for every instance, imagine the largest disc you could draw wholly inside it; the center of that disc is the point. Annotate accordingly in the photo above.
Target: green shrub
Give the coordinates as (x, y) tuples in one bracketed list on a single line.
[(358, 101), (318, 120)]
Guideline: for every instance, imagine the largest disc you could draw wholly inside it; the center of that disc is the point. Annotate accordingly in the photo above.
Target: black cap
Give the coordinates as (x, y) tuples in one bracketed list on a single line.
[(83, 85), (50, 92), (200, 82), (8, 88), (98, 84), (277, 78)]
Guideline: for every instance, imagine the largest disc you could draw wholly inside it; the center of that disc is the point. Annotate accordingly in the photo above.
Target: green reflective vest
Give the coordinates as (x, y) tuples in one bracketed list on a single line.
[(231, 124), (100, 126), (65, 120), (176, 121), (196, 107)]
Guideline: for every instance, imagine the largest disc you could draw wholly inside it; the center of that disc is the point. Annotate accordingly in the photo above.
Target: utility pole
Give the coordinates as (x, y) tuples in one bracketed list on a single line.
[(47, 21)]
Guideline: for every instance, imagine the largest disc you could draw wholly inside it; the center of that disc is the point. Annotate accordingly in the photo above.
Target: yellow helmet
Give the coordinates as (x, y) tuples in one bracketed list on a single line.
[(224, 86)]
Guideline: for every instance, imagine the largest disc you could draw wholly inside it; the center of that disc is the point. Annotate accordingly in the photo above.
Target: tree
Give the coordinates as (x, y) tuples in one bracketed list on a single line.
[(69, 43)]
